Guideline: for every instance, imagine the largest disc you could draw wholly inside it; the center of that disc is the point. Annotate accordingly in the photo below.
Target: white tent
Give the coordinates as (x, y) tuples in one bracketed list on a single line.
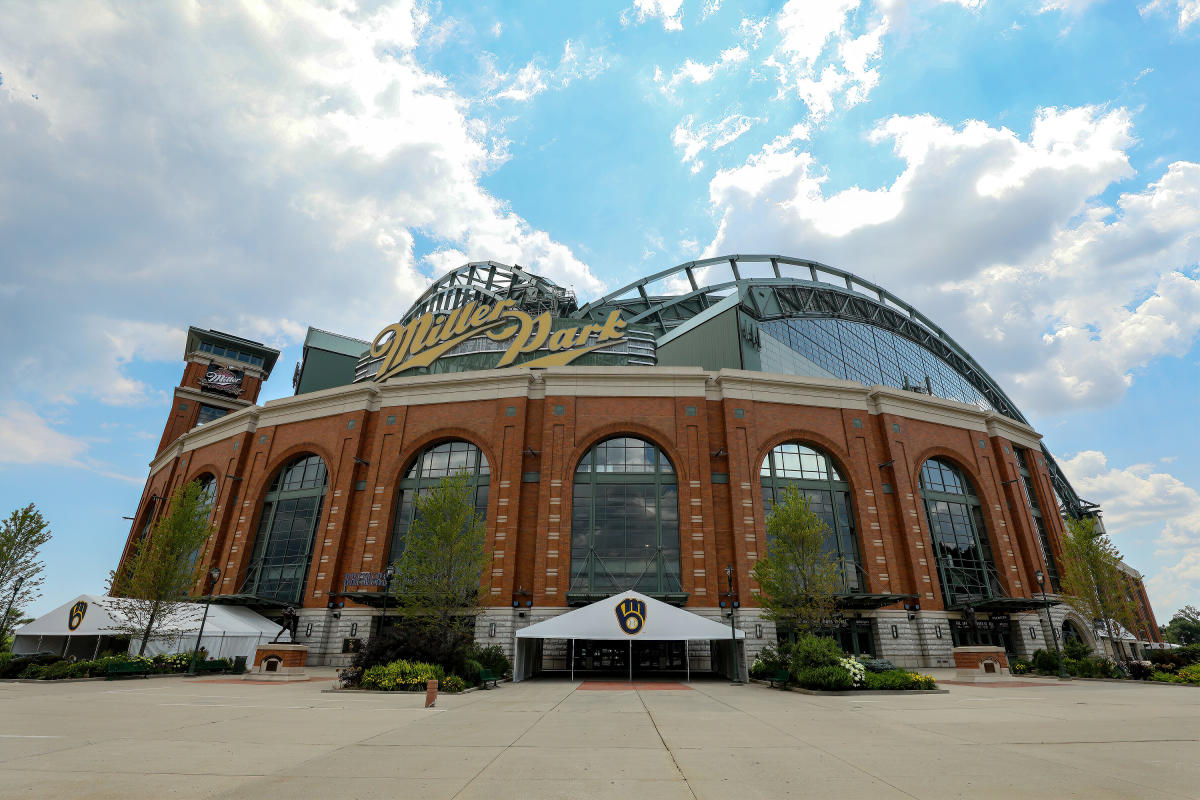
[(620, 617), (85, 626)]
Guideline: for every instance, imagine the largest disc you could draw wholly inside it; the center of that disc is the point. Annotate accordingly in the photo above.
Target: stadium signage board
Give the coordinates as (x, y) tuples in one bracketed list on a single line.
[(425, 339)]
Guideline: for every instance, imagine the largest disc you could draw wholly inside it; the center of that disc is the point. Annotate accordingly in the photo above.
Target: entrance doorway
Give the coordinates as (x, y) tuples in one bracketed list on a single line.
[(599, 657)]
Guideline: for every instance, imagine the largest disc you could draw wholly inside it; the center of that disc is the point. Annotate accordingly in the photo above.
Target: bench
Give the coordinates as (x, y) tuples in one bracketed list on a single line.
[(486, 676), (782, 676), (127, 670)]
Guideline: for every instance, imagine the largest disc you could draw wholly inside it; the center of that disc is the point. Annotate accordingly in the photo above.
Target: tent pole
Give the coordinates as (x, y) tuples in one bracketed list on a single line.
[(687, 659), (631, 660), (66, 646), (96, 652), (572, 661)]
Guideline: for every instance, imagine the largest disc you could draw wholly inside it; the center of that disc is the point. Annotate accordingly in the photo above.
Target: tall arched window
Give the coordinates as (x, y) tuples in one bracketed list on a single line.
[(815, 477), (966, 568), (208, 501), (431, 465), (287, 531), (624, 522)]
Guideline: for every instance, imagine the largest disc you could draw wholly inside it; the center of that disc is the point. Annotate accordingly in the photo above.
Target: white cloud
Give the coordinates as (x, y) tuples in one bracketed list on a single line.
[(670, 12), (531, 80), (232, 165), (696, 73), (691, 139), (1000, 240), (1140, 497), (26, 438), (710, 7), (1188, 10)]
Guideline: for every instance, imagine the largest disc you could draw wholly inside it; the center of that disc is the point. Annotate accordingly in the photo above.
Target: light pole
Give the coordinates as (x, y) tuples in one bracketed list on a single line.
[(1041, 581), (213, 574), (737, 671), (7, 611), (388, 574)]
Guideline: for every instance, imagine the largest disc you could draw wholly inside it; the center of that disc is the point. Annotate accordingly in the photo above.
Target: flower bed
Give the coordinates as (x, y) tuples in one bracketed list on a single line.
[(37, 669), (818, 664)]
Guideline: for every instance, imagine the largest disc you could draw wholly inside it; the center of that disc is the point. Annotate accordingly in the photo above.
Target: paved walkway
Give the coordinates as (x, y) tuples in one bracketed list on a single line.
[(175, 737)]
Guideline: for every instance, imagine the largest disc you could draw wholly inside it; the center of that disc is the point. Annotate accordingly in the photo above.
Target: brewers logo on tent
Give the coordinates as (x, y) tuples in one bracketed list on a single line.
[(631, 615), (77, 612)]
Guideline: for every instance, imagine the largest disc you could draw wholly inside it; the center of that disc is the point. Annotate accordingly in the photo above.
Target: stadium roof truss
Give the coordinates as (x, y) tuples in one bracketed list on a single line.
[(768, 287)]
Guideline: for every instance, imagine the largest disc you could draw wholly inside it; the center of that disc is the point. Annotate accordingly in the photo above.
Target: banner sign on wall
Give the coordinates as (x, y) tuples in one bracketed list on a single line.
[(223, 379)]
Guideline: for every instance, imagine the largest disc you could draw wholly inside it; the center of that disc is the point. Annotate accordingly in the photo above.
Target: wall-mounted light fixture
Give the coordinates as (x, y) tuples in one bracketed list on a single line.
[(1032, 632), (758, 631), (492, 630), (937, 631), (362, 461), (353, 629), (887, 463), (721, 452), (895, 632)]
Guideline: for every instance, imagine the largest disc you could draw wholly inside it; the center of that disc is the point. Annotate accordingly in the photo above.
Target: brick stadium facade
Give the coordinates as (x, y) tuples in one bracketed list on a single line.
[(897, 468)]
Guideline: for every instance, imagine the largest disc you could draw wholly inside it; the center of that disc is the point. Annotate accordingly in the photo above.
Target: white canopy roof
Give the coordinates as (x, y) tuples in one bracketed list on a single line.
[(602, 620), (99, 618)]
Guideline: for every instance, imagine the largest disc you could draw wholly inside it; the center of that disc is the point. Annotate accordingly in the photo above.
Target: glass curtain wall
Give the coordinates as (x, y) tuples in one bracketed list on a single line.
[(431, 465), (1043, 535), (814, 476), (287, 530), (966, 568), (625, 521)]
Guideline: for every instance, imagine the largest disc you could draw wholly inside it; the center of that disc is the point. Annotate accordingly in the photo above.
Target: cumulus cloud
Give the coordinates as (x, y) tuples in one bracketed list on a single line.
[(697, 73), (1141, 497), (532, 79), (247, 168), (669, 12), (1000, 238), (27, 438)]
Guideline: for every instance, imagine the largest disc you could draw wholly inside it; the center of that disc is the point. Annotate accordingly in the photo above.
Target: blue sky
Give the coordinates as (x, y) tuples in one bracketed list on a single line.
[(1026, 173)]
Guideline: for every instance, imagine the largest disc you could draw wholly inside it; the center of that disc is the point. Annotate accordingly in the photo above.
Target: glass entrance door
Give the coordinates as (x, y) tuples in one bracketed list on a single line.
[(593, 656)]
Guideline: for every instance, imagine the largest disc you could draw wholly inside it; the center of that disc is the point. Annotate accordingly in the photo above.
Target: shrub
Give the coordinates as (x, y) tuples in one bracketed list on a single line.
[(33, 671), (4, 659), (1140, 670), (18, 664), (1190, 674), (898, 680), (452, 683), (57, 671), (1076, 649), (409, 641), (1176, 658), (856, 670), (1071, 667), (877, 664), (1019, 666), (471, 671), (492, 658), (1164, 677), (829, 679), (812, 652), (401, 675), (1046, 662)]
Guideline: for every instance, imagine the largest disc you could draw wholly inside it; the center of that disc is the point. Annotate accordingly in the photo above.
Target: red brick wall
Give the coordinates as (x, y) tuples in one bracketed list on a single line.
[(529, 523)]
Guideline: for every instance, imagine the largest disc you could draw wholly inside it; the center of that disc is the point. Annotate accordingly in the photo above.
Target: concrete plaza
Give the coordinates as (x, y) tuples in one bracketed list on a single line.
[(179, 737)]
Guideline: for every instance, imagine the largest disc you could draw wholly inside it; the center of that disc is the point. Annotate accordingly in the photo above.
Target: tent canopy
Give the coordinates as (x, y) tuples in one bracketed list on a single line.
[(228, 631), (603, 620)]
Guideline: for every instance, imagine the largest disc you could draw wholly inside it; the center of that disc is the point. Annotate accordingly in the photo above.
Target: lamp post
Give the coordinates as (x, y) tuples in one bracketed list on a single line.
[(1041, 581), (7, 611), (388, 574), (737, 671), (213, 575)]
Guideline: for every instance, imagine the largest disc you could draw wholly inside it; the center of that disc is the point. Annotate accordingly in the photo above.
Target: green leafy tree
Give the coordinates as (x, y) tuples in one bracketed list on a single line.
[(438, 585), (1184, 627), (21, 538), (151, 588), (1092, 580), (799, 579)]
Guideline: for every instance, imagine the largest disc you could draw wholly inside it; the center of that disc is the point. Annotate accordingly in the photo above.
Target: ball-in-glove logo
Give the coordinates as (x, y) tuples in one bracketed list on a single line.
[(631, 615), (77, 612)]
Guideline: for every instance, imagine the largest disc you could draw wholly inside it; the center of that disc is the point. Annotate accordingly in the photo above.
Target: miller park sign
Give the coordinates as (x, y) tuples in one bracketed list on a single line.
[(500, 335)]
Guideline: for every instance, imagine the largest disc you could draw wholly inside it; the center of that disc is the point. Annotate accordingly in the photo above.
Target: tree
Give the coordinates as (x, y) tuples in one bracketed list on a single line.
[(799, 579), (438, 584), (21, 538), (1093, 582), (150, 589), (1184, 627)]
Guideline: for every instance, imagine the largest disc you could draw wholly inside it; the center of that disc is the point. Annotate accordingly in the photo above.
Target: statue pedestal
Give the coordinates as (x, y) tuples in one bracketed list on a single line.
[(981, 664), (278, 662)]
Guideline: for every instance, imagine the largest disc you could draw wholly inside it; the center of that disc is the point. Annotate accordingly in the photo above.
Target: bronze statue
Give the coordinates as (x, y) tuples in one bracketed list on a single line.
[(288, 622)]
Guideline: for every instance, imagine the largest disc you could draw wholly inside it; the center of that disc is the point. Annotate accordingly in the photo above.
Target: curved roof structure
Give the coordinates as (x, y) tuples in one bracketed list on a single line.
[(767, 289)]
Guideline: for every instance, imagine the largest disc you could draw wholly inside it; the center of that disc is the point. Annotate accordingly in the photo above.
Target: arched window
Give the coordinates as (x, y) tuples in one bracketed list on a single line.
[(287, 531), (966, 568), (624, 522), (208, 498), (431, 465), (815, 477)]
